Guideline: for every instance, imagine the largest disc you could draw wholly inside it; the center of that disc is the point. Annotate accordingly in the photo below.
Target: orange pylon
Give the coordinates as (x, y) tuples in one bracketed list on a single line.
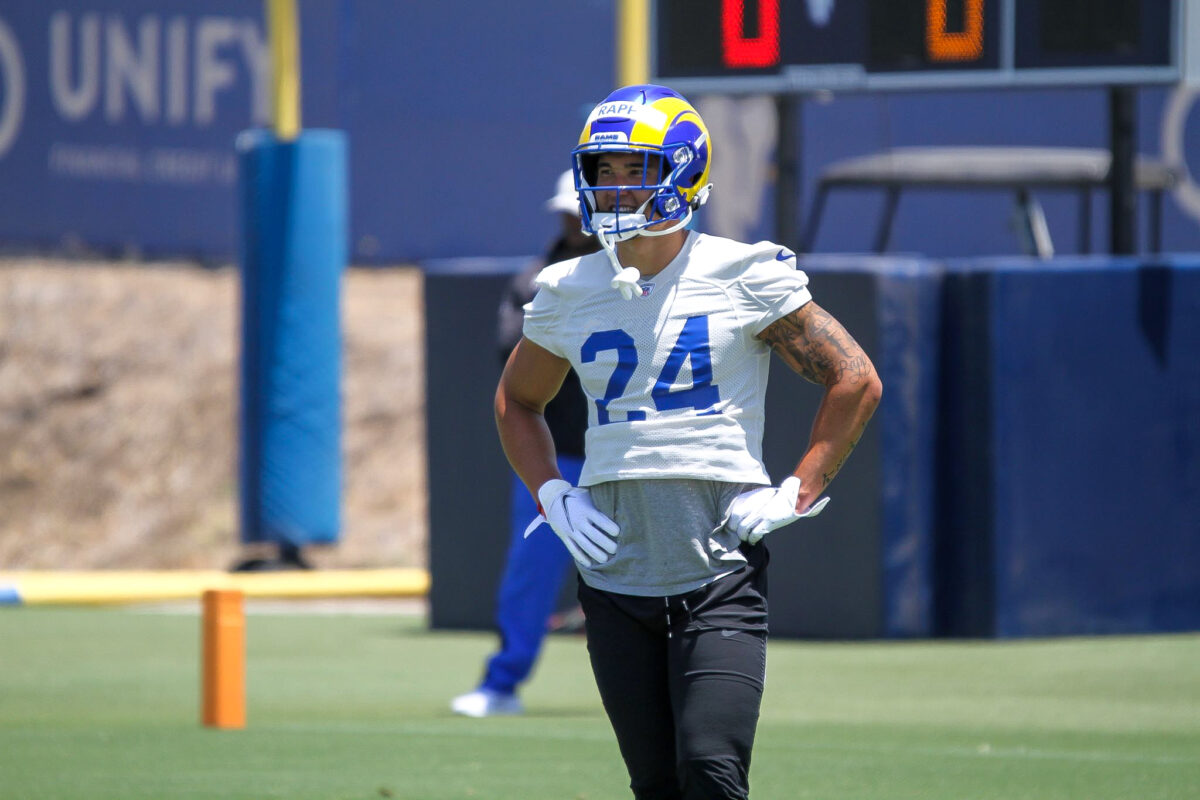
[(224, 660)]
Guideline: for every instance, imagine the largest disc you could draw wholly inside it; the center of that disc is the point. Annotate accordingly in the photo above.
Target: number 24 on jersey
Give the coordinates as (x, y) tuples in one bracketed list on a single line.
[(692, 345)]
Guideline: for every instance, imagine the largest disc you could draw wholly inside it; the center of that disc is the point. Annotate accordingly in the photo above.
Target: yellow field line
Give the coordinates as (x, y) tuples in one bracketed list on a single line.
[(111, 587)]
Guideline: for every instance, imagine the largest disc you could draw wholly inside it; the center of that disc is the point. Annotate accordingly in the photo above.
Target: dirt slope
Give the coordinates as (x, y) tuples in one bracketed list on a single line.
[(118, 417)]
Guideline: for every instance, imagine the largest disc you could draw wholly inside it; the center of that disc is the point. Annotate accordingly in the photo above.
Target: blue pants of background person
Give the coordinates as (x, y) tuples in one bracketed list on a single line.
[(533, 579)]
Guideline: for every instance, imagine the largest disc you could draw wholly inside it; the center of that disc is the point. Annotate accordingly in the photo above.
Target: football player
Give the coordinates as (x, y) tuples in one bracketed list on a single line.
[(670, 332)]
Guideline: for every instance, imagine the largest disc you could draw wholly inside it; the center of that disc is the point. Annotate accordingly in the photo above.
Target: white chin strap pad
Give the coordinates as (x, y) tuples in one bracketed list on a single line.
[(626, 282)]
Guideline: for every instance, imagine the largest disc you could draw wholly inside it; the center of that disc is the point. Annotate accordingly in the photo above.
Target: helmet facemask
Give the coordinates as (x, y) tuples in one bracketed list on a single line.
[(665, 174)]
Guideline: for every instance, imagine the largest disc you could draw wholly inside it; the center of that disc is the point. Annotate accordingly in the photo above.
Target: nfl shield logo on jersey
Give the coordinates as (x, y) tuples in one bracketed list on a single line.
[(647, 288)]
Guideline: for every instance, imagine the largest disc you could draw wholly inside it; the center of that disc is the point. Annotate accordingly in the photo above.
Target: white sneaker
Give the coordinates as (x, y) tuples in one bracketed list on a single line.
[(486, 703)]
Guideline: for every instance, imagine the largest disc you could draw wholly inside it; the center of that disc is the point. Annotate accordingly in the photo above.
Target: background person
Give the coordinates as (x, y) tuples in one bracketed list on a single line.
[(670, 332), (536, 566)]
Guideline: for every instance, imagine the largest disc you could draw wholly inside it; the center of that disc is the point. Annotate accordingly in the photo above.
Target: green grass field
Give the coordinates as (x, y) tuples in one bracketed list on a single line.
[(103, 703)]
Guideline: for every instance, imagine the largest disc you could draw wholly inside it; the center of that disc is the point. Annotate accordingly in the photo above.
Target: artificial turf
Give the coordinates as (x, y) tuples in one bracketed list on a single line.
[(104, 703)]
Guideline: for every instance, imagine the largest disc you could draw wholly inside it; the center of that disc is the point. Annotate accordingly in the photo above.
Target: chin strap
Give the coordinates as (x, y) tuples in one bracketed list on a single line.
[(626, 279)]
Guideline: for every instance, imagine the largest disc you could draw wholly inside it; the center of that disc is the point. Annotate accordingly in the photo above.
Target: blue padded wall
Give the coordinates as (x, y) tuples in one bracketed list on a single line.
[(1069, 475), (1034, 468), (910, 323), (865, 566)]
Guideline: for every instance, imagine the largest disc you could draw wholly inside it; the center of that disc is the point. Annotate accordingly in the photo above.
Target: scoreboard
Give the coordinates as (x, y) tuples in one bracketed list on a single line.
[(783, 46)]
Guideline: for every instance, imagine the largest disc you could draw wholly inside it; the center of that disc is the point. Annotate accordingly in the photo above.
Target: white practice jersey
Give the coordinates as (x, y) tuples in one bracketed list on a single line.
[(676, 378)]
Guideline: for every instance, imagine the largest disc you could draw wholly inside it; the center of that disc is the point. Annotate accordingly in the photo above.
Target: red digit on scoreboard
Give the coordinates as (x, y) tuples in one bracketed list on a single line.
[(739, 50)]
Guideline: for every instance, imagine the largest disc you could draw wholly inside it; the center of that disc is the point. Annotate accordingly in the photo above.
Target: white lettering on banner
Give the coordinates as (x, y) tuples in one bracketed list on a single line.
[(145, 67), (213, 73), (12, 88), (74, 101), (177, 53), (132, 68), (109, 162), (186, 166), (180, 166)]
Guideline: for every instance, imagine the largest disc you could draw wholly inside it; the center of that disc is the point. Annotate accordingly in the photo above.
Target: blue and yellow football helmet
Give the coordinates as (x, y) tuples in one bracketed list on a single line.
[(653, 121)]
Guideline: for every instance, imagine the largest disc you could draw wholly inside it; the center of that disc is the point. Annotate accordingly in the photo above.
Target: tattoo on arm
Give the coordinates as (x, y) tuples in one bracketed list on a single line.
[(828, 476), (816, 346)]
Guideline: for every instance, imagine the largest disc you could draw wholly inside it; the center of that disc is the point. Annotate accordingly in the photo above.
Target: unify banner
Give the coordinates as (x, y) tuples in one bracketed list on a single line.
[(118, 120), (117, 113)]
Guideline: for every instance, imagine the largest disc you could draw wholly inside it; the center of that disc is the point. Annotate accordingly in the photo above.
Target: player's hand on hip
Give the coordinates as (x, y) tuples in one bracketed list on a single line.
[(756, 513), (590, 536)]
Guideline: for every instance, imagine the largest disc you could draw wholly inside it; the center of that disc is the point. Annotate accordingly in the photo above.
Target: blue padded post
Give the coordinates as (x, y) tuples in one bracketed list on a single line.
[(292, 255)]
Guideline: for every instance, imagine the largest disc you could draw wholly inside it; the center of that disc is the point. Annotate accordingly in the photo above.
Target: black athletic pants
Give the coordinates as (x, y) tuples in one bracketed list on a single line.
[(681, 679)]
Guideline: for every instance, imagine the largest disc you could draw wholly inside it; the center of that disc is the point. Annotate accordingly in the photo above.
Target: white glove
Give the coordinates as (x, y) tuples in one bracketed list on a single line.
[(589, 535), (755, 513)]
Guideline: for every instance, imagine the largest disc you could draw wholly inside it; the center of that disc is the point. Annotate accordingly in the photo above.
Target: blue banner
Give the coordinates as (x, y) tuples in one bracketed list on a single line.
[(118, 117), (117, 123)]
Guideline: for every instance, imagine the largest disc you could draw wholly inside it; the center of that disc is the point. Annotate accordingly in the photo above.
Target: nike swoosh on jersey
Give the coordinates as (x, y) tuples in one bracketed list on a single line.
[(784, 255)]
